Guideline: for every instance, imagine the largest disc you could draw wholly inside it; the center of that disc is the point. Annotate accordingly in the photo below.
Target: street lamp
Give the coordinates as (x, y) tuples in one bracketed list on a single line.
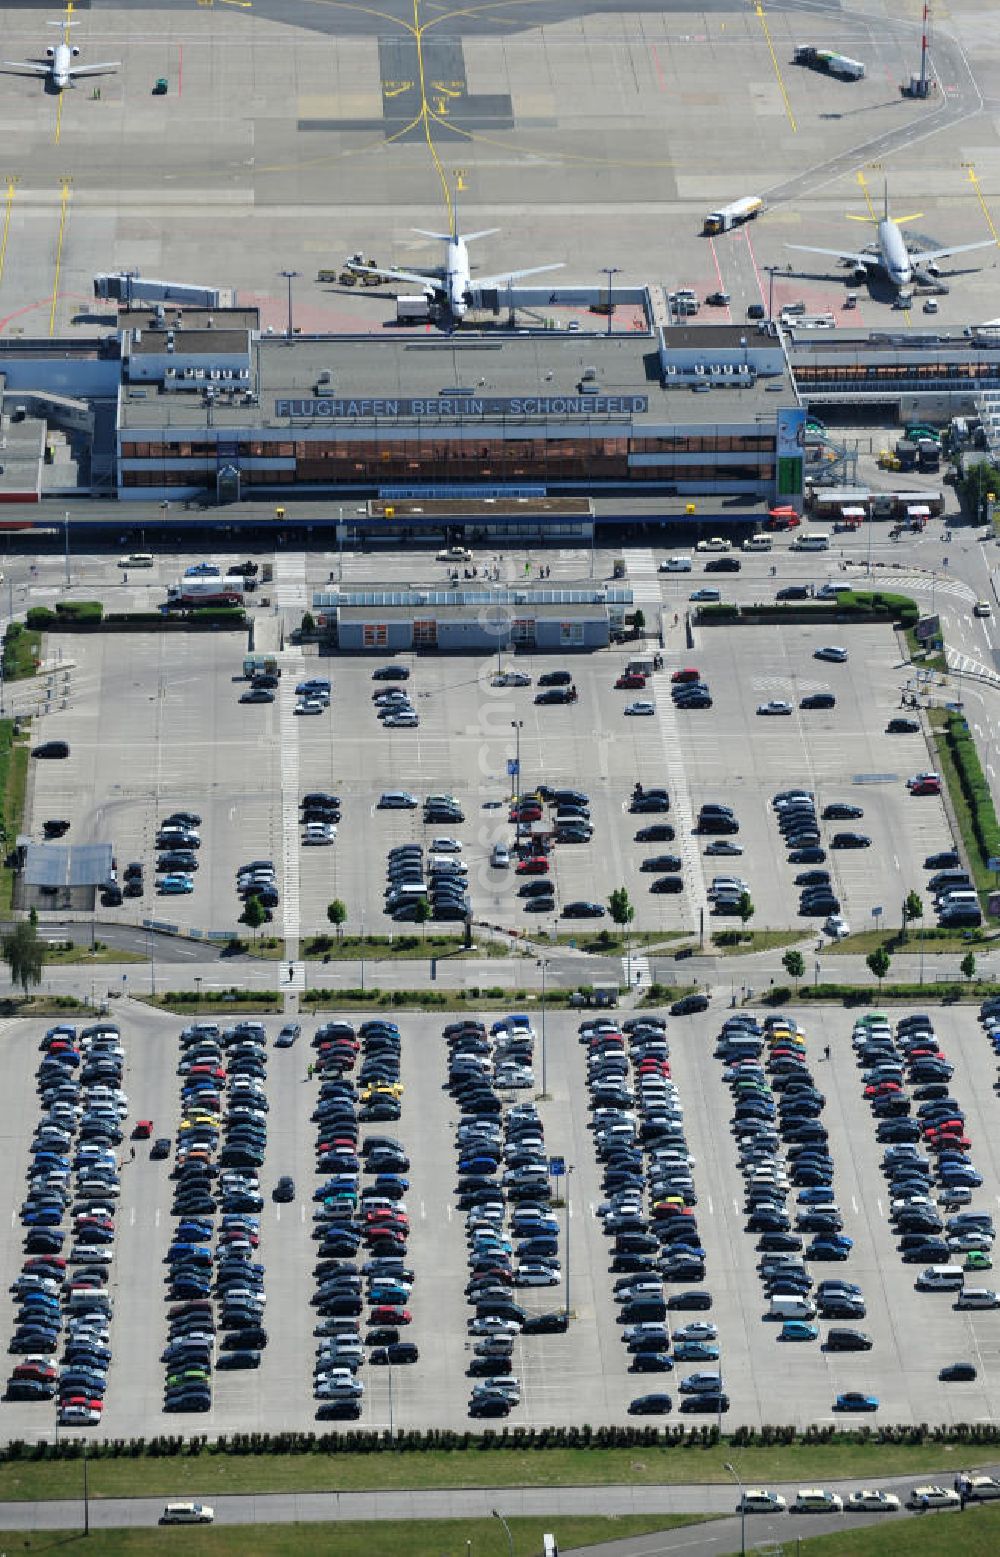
[(66, 543), (506, 1530), (86, 1493), (743, 1507), (545, 965), (517, 725), (609, 271), (289, 276)]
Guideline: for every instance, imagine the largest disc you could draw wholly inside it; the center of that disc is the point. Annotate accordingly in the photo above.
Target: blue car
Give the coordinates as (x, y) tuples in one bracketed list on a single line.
[(855, 1400), (174, 885), (833, 1248), (798, 1330), (820, 1194), (696, 1351)]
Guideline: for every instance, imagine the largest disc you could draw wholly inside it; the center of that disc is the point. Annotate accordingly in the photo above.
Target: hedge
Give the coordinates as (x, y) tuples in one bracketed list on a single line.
[(851, 606), (374, 1442), (975, 788)]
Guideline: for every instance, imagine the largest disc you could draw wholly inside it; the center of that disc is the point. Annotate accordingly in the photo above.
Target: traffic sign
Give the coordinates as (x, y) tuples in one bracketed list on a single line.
[(557, 1166), (513, 767)]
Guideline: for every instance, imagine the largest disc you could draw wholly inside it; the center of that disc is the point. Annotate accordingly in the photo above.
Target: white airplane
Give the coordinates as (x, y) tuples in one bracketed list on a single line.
[(57, 67), (889, 252), (453, 286)]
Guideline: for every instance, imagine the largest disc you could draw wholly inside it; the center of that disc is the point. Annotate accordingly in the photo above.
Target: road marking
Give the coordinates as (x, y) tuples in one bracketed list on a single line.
[(759, 12), (64, 206)]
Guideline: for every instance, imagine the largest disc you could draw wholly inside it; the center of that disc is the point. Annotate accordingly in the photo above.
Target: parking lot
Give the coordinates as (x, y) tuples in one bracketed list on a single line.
[(580, 1377), (157, 725)]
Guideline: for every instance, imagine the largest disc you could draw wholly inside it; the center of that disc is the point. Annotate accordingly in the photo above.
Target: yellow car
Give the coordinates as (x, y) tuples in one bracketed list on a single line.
[(382, 1089)]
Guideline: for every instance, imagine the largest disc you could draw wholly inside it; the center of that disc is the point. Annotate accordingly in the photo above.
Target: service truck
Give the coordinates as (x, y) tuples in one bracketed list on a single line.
[(833, 64), (192, 592), (734, 215)]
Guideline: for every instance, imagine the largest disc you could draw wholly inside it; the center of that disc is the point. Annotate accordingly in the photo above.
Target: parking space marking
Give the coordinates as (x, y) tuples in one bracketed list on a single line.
[(680, 796)]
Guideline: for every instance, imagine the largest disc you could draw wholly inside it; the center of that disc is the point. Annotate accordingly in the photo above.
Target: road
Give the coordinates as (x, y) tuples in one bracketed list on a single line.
[(720, 1537)]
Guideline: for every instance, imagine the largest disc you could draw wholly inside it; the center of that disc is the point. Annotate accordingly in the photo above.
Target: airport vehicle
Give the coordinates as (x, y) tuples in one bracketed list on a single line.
[(833, 64), (733, 215), (890, 254), (57, 68), (453, 289)]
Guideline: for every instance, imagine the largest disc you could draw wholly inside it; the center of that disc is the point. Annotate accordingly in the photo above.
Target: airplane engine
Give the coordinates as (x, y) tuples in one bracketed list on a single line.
[(50, 53), (933, 269), (75, 52), (860, 273)]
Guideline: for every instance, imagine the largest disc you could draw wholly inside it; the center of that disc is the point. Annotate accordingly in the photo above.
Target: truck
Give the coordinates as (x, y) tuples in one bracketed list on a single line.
[(729, 216), (826, 60), (413, 310), (193, 592)]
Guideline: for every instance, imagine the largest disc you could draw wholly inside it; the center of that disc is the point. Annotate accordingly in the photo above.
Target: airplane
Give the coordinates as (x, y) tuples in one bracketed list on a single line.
[(57, 67), (453, 287), (889, 252)]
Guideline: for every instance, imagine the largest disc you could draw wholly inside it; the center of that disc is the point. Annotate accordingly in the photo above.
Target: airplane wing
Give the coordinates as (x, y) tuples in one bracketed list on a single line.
[(923, 256), (850, 257), (513, 275), (95, 70), (397, 275), (30, 67)]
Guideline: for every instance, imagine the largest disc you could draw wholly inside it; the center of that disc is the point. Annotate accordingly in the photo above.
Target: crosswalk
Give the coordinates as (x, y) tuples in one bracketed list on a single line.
[(965, 665), (638, 967), (289, 588), (927, 583), (640, 567), (292, 662)]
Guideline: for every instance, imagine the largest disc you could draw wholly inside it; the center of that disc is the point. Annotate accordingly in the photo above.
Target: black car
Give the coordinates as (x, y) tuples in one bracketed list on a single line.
[(848, 1341), (554, 1323), (957, 1371), (813, 878), (238, 1359), (583, 910), (54, 827), (705, 1405), (850, 841), (51, 749), (794, 592), (649, 801), (899, 726), (947, 860), (667, 884), (391, 673), (661, 862), (813, 855), (717, 823), (818, 700), (839, 811), (658, 832), (723, 565), (650, 1405), (688, 1004), (555, 678)]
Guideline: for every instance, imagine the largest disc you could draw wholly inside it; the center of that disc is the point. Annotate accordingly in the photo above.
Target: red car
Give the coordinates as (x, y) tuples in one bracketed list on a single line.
[(536, 865), (630, 680), (882, 1088), (34, 1370), (926, 787), (143, 1130), (681, 677), (388, 1314), (532, 813)]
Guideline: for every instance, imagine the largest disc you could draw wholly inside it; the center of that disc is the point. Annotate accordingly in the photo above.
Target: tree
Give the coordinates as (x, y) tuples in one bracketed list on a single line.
[(24, 953), (794, 965), (977, 483), (620, 907), (745, 908), (336, 912), (968, 965), (639, 621), (913, 908), (254, 914), (308, 624), (421, 914), (878, 963)]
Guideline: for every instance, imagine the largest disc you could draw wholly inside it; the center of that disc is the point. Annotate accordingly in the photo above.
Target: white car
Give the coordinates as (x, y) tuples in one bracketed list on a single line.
[(872, 1500), (409, 719), (500, 857), (455, 554), (318, 837), (697, 1330), (758, 1500), (831, 652), (444, 846), (676, 565), (511, 678), (310, 705), (536, 1276), (836, 927), (817, 1500), (775, 706), (933, 1497), (984, 1487), (641, 707), (492, 1324), (714, 543)]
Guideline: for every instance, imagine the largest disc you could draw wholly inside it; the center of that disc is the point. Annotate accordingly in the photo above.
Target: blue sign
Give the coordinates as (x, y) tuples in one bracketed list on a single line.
[(513, 767), (557, 1166)]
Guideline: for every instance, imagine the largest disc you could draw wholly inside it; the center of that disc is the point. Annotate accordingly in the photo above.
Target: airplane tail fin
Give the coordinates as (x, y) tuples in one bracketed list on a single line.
[(445, 237), (487, 232), (66, 23)]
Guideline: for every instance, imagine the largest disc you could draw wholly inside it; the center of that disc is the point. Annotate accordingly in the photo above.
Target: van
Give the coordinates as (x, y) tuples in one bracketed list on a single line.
[(408, 892), (136, 559), (978, 1297), (956, 897), (757, 543), (940, 1278), (946, 879), (816, 540), (790, 1305), (187, 1514)]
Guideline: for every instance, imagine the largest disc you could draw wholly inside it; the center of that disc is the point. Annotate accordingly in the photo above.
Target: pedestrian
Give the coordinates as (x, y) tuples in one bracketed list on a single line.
[(131, 1155), (310, 1071), (826, 1051), (291, 972)]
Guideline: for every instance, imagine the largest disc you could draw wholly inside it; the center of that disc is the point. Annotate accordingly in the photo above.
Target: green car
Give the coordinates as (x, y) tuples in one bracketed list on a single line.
[(189, 1376), (977, 1259)]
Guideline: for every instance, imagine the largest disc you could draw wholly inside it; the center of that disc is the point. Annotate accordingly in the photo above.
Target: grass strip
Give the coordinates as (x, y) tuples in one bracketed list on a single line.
[(13, 784), (209, 1474), (976, 1533)]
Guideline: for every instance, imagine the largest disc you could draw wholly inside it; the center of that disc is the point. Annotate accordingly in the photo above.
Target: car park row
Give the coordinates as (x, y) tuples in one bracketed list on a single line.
[(783, 1144), (360, 1204), (80, 1087), (638, 1124), (502, 1166)]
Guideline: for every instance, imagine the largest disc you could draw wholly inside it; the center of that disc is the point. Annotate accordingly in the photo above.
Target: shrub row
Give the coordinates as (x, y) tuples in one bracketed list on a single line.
[(855, 606), (678, 1436), (975, 789), (88, 615)]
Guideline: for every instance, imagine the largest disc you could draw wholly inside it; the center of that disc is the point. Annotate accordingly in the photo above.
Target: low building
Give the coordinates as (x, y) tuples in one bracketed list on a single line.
[(485, 621), (56, 876)]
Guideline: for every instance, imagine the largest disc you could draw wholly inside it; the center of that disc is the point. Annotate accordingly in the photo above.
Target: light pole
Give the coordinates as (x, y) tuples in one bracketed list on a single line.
[(569, 1173), (545, 965), (289, 276), (506, 1530), (86, 1493), (66, 543), (517, 725), (743, 1508), (609, 271), (362, 949)]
